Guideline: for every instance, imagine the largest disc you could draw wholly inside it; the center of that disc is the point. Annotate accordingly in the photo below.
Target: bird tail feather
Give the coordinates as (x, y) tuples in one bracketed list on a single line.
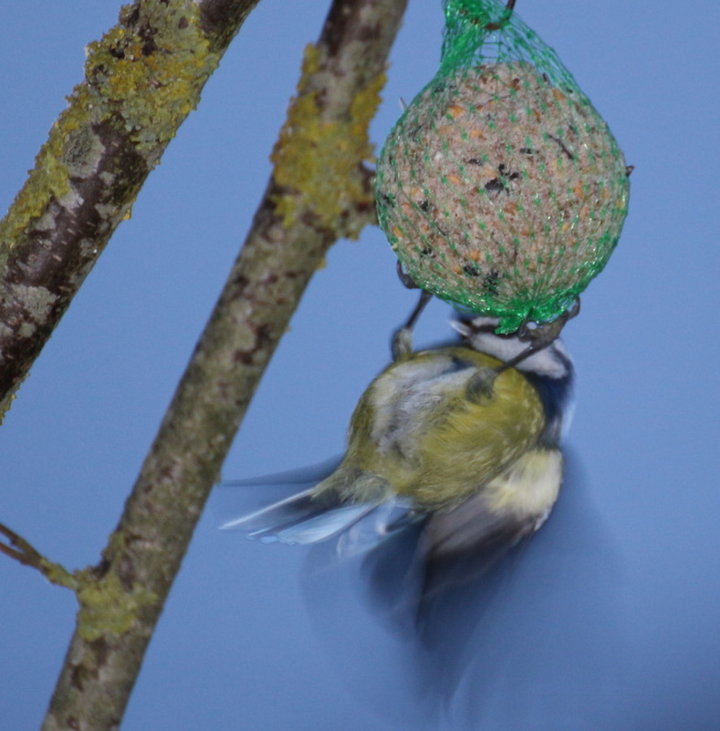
[(302, 518)]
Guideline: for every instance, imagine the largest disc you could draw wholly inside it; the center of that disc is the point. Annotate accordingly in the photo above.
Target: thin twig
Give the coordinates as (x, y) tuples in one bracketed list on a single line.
[(19, 548), (26, 554)]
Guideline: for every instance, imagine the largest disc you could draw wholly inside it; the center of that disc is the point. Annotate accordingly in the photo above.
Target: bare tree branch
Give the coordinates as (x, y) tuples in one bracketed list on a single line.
[(319, 192), (141, 80)]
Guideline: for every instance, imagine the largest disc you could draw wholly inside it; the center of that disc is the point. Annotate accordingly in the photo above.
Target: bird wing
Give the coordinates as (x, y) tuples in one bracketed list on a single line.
[(326, 510), (466, 540), (309, 475)]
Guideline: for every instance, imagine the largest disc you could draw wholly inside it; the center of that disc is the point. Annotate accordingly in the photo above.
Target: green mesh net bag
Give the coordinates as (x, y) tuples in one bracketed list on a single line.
[(500, 188)]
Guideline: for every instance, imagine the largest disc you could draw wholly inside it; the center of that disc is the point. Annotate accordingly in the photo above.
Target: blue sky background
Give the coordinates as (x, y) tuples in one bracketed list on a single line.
[(607, 621)]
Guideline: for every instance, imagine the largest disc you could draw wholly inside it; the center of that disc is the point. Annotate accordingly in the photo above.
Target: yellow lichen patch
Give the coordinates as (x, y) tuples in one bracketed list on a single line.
[(317, 160), (310, 64), (149, 86), (107, 608), (49, 179), (5, 405)]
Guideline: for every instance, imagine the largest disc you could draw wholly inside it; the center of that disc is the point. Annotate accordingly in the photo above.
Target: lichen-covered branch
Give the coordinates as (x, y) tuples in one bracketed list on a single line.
[(141, 80), (301, 215)]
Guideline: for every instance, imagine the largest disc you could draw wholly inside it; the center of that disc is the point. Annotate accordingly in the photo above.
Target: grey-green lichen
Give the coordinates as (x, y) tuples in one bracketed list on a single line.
[(82, 152), (36, 301)]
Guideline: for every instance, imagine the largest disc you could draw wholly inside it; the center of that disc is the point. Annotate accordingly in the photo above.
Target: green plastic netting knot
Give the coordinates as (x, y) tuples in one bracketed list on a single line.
[(500, 188)]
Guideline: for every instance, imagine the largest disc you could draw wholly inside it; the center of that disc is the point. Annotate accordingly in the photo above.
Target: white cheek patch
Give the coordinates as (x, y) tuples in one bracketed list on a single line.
[(552, 361)]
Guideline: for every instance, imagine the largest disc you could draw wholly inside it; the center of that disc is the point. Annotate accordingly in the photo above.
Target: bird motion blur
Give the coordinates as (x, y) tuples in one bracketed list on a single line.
[(449, 439)]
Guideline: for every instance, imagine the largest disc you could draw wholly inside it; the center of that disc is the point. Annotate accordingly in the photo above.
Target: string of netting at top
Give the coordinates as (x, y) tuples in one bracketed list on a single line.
[(467, 42)]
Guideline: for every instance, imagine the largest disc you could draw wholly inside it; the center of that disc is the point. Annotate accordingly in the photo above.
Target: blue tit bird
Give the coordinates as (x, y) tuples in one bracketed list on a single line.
[(448, 439)]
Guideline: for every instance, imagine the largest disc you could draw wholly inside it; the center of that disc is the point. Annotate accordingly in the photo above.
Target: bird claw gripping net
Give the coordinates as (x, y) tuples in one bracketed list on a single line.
[(501, 188)]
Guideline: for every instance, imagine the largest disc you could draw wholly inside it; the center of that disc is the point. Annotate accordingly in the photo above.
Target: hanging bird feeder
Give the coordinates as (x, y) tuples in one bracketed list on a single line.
[(501, 188)]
